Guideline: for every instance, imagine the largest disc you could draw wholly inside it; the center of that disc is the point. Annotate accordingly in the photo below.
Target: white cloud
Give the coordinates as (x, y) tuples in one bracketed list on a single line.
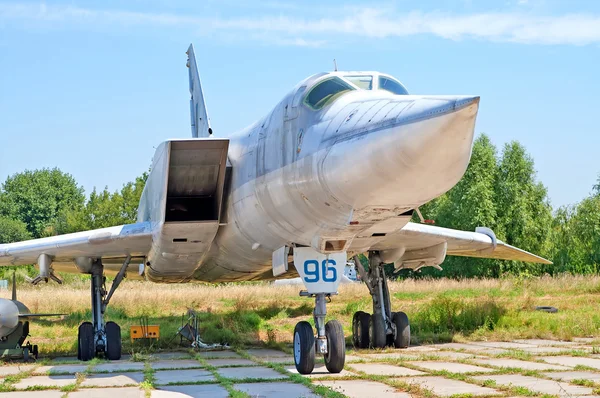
[(570, 29)]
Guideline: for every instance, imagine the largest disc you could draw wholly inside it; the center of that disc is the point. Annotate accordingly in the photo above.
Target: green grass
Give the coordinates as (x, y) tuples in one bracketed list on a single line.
[(261, 314)]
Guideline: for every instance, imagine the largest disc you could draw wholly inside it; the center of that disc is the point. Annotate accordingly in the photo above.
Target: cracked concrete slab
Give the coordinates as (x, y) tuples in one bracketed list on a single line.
[(535, 384), (176, 364), (113, 379), (230, 362), (546, 342), (32, 394), (218, 354), (14, 369), (471, 348), (454, 355), (394, 355), (118, 366), (45, 381), (503, 345), (275, 390), (60, 369), (266, 353), (572, 361), (545, 350), (121, 392), (257, 372), (453, 367), (448, 387), (196, 391), (163, 377), (385, 370), (362, 388), (515, 363), (574, 375), (171, 355), (282, 360)]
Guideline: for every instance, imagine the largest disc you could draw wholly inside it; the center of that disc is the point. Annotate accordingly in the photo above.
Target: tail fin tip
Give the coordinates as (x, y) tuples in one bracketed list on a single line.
[(198, 113)]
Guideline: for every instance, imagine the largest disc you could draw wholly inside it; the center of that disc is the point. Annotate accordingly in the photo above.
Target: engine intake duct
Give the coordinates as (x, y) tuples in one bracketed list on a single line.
[(195, 181)]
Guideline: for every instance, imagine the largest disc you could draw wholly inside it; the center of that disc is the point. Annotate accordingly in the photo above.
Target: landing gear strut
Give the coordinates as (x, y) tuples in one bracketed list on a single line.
[(329, 341), (384, 327), (99, 337)]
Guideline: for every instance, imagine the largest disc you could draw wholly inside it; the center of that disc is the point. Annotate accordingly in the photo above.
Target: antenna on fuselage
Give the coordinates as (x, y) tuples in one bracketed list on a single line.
[(334, 65)]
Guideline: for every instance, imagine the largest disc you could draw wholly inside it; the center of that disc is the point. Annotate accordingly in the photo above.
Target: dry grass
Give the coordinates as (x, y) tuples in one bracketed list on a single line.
[(440, 310)]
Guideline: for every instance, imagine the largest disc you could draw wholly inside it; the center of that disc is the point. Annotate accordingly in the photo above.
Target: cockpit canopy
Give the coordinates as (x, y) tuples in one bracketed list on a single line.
[(335, 84)]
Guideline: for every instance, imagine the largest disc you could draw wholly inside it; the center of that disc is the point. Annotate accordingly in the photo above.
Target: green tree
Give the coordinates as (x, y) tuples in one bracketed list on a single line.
[(104, 209), (524, 212), (37, 197), (469, 204), (12, 230)]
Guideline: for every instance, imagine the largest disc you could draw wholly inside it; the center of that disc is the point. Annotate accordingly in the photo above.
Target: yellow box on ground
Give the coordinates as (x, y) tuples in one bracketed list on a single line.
[(144, 332)]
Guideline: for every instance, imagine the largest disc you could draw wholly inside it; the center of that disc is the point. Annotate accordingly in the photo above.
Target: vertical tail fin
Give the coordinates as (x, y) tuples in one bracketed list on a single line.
[(198, 112), (14, 286)]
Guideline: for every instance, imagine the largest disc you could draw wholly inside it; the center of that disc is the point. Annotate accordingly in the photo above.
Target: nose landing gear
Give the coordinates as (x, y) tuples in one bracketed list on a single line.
[(321, 274), (384, 327), (329, 342)]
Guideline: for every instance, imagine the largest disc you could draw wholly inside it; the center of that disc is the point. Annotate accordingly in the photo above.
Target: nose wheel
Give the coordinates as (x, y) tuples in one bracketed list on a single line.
[(383, 327), (329, 341)]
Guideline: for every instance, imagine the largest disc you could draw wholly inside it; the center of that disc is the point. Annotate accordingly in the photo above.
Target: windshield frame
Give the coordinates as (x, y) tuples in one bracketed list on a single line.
[(392, 78), (331, 98)]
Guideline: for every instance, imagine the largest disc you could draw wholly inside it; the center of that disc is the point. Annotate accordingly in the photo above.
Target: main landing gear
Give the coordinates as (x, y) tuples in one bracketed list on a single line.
[(384, 327), (98, 337), (329, 341)]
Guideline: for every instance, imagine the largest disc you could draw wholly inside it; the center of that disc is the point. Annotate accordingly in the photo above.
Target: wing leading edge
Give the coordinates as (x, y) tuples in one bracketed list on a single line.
[(117, 242), (426, 245)]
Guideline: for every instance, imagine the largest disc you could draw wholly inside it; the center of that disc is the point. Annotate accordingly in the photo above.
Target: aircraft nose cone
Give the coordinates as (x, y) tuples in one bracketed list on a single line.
[(9, 317), (416, 152)]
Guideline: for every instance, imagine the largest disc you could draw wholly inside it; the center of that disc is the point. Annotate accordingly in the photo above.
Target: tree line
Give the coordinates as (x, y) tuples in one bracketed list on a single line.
[(499, 190)]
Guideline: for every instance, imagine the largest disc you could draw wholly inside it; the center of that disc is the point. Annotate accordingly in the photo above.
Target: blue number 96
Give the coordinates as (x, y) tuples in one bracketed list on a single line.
[(311, 270)]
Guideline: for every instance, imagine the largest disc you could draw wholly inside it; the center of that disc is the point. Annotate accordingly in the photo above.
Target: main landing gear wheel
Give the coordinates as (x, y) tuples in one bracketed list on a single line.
[(402, 338), (86, 349), (304, 348), (377, 333), (98, 337), (336, 347), (360, 329), (113, 341), (386, 328)]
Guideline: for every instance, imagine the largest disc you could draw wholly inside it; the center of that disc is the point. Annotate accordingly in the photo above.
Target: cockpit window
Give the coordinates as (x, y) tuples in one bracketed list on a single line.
[(326, 91), (364, 82), (385, 83)]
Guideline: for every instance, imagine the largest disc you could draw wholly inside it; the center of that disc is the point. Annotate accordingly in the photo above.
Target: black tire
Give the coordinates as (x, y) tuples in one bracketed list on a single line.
[(402, 339), (360, 329), (86, 348), (377, 335), (336, 347), (113, 341), (35, 351), (26, 354), (304, 348), (551, 310)]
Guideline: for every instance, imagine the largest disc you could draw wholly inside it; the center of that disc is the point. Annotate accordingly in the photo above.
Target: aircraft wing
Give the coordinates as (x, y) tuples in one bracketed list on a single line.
[(423, 243), (114, 242)]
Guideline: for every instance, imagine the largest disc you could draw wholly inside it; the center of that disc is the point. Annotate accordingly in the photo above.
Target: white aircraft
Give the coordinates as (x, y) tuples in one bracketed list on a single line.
[(334, 170)]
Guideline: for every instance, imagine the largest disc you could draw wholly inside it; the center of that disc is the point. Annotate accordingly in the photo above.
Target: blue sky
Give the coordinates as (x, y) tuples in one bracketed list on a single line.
[(93, 87)]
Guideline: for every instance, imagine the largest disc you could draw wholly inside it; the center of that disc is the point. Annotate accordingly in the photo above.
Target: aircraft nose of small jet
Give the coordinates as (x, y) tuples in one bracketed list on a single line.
[(9, 316), (415, 152)]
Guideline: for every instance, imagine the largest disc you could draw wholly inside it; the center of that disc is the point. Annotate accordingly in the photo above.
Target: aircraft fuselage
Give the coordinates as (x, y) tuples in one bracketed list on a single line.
[(321, 177)]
